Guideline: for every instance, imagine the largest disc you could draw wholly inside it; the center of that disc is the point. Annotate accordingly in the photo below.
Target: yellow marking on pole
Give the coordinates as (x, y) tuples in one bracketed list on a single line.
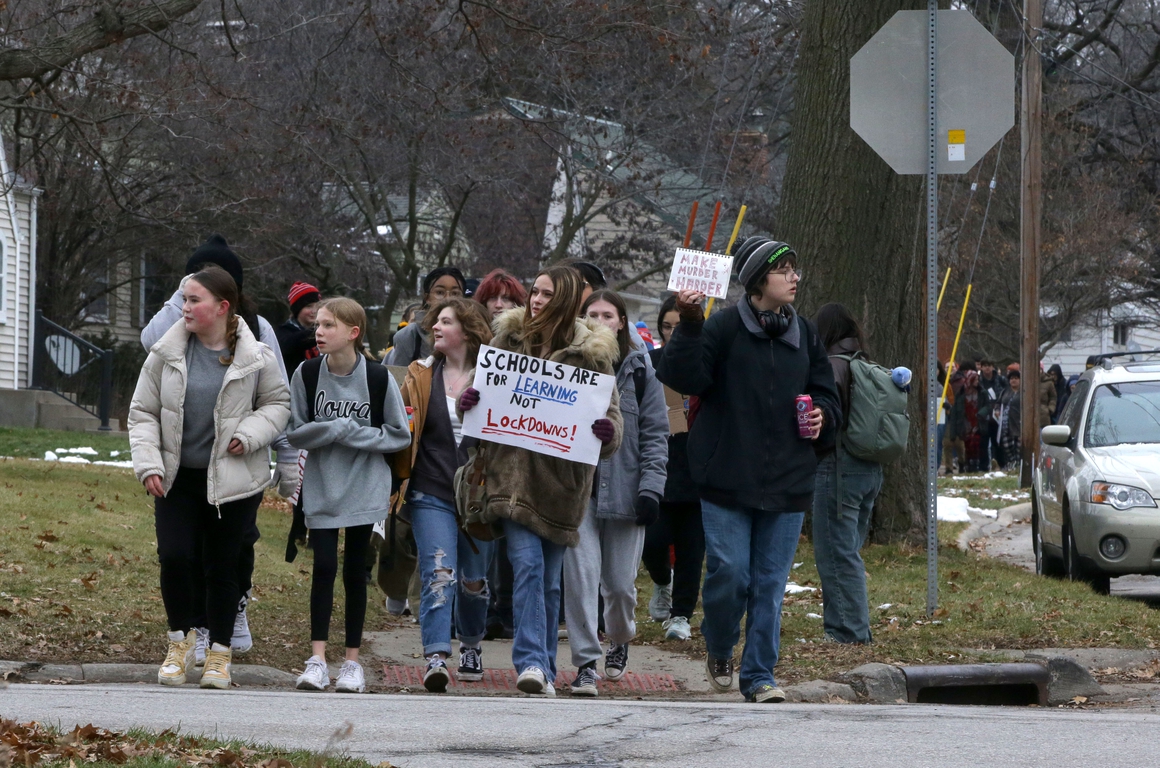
[(955, 348), (941, 293), (736, 229)]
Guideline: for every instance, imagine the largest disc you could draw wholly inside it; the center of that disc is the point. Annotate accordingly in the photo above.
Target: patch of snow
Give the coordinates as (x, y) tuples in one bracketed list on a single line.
[(993, 475), (73, 460), (813, 616), (985, 512), (885, 606), (122, 464), (796, 566), (952, 510), (794, 589), (961, 478), (50, 456), (114, 454)]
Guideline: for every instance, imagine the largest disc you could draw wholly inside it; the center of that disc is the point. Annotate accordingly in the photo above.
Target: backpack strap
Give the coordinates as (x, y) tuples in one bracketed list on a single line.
[(639, 379), (378, 380), (310, 371)]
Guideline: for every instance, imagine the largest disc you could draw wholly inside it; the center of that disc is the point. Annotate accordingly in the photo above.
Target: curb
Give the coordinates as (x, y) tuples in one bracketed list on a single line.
[(979, 524), (71, 674)]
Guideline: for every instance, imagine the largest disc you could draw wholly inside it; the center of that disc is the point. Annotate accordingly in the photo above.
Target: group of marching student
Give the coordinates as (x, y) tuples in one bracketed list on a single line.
[(731, 492)]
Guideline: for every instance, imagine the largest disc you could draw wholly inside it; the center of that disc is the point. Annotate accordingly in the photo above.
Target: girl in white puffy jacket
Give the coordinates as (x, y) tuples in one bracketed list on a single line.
[(209, 401)]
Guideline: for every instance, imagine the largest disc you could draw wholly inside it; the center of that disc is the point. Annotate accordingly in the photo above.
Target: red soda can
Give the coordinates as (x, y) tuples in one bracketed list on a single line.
[(803, 404)]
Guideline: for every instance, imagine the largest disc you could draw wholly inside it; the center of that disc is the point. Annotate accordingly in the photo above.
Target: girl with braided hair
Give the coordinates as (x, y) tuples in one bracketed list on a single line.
[(209, 401)]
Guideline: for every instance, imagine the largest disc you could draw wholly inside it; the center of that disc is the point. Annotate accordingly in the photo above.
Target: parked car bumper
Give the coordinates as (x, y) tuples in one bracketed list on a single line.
[(1139, 527)]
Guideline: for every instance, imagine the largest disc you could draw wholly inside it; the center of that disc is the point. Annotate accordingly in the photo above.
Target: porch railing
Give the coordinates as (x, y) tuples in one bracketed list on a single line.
[(76, 369)]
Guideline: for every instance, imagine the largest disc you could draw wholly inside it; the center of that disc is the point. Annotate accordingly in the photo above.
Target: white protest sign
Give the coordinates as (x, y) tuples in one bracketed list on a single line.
[(701, 271), (539, 405)]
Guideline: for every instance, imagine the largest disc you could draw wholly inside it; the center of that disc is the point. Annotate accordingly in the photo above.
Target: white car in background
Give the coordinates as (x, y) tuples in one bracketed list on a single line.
[(1096, 483)]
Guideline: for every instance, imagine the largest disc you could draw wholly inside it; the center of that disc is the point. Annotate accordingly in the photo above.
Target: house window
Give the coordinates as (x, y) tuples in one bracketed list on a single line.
[(95, 297), (1121, 334)]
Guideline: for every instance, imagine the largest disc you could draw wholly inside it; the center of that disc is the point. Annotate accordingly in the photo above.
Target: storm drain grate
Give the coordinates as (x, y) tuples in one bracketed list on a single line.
[(505, 680)]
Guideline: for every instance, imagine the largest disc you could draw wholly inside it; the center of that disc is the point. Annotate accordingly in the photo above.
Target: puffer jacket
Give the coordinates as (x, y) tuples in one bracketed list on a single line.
[(546, 494), (253, 406), (638, 468)]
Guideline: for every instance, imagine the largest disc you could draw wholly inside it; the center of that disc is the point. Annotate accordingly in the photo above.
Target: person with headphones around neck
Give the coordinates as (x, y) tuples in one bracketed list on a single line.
[(747, 364)]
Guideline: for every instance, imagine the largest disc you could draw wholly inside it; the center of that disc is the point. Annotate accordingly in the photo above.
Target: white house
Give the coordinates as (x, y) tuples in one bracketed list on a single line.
[(18, 202), (1126, 328)]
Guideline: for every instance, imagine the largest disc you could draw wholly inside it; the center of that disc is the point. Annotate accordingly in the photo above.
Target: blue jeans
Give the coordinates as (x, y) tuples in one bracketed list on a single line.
[(839, 532), (445, 562), (536, 565), (748, 556)]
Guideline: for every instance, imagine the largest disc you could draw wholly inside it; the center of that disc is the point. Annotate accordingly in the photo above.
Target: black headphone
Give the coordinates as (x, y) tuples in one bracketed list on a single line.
[(774, 323)]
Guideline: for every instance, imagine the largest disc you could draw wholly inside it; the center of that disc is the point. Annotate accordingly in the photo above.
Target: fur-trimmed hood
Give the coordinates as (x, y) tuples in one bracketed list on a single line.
[(591, 341)]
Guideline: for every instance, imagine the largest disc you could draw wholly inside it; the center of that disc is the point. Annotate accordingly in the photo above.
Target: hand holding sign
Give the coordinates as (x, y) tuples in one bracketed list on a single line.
[(701, 271), (542, 406)]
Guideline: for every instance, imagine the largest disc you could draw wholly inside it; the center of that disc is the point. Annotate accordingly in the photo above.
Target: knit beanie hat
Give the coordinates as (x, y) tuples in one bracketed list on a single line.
[(301, 296), (216, 250), (756, 256)]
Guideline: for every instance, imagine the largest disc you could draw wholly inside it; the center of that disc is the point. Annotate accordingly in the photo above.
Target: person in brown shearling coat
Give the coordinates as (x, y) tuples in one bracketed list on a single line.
[(540, 500)]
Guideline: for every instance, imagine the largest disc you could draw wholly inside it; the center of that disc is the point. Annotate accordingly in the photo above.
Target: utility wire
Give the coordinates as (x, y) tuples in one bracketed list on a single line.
[(986, 211)]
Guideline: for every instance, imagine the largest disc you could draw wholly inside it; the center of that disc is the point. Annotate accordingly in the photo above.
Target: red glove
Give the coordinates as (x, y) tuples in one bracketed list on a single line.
[(469, 399), (603, 430)]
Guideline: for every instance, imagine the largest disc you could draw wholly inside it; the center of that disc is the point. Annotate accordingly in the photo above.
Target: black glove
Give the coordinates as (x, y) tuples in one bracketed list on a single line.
[(648, 510)]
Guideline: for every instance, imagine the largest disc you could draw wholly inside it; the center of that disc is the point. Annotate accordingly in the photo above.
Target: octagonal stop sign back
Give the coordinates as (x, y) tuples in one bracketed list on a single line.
[(975, 86)]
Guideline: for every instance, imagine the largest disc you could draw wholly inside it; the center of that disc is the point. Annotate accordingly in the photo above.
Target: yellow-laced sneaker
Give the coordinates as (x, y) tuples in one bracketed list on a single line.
[(217, 667), (179, 658)]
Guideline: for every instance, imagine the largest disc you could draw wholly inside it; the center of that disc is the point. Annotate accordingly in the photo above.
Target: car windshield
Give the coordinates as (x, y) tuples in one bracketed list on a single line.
[(1124, 413)]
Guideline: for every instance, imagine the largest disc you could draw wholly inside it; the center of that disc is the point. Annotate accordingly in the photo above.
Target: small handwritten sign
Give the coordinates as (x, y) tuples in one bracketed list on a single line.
[(537, 404), (701, 271)]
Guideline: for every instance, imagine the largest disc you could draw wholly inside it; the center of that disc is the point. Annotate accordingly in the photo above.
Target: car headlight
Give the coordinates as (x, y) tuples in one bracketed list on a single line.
[(1121, 496)]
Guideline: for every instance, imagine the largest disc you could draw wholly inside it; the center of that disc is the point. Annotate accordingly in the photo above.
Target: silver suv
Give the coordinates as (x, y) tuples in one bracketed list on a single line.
[(1095, 486)]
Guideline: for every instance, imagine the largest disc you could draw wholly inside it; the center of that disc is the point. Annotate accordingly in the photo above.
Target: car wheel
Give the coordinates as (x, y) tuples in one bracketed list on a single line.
[(1045, 564), (1099, 582)]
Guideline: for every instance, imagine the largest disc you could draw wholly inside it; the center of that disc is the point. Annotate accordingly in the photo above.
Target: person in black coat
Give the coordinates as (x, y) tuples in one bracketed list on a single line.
[(754, 474), (296, 335)]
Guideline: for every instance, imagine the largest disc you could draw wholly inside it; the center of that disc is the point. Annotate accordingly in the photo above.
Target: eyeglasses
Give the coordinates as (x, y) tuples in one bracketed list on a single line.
[(668, 328), (788, 273)]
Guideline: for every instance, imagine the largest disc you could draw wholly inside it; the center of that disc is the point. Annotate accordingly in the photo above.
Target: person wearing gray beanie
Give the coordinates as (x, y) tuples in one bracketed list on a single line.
[(756, 257)]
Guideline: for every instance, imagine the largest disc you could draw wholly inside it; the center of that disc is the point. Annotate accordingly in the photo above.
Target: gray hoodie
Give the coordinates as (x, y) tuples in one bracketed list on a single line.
[(347, 481), (638, 467)]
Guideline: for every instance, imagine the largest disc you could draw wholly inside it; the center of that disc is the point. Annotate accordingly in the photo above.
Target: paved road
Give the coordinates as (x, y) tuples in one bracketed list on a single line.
[(425, 731)]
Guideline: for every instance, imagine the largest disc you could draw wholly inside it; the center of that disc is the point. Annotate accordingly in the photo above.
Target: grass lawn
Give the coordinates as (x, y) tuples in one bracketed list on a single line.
[(28, 744), (79, 576), (32, 443), (990, 490)]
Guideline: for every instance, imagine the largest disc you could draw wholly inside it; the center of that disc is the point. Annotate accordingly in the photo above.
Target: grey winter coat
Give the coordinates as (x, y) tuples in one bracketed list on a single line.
[(638, 466)]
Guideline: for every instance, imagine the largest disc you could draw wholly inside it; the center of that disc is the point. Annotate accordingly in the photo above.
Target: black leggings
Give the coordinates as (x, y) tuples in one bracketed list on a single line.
[(679, 524), (354, 580), (200, 547)]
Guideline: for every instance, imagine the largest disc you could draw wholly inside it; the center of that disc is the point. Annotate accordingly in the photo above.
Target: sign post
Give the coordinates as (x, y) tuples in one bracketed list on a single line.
[(932, 92)]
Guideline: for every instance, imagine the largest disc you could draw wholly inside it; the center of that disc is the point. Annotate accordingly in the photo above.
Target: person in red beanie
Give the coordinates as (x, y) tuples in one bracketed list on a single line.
[(296, 335)]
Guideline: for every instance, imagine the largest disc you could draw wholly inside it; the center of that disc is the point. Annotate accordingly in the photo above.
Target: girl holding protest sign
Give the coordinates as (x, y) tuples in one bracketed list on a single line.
[(625, 499), (347, 412), (447, 560), (540, 500)]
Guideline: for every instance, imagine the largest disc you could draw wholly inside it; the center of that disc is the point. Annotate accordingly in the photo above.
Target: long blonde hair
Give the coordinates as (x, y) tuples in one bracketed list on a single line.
[(349, 312)]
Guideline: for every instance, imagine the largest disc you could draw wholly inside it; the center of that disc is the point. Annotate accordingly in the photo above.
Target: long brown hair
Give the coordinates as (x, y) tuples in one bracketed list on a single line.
[(613, 298), (557, 320), (349, 312), (223, 288), (471, 315)]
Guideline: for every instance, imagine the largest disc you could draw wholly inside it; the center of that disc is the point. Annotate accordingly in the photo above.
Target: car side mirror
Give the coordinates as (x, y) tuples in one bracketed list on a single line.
[(1056, 434)]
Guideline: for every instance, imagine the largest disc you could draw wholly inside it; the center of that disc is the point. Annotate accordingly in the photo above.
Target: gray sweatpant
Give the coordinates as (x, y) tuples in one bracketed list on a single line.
[(605, 562)]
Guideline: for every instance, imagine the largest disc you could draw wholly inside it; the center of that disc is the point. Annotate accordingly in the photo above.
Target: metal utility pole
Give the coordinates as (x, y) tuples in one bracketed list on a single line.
[(1031, 204), (931, 307)]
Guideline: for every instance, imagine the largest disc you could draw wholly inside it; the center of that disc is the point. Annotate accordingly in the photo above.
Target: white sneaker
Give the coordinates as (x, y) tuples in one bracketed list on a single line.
[(316, 677), (200, 646), (242, 640), (350, 678), (532, 681), (660, 605), (396, 607), (677, 628)]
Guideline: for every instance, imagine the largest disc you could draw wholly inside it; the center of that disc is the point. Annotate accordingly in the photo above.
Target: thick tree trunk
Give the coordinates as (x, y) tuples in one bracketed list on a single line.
[(853, 223)]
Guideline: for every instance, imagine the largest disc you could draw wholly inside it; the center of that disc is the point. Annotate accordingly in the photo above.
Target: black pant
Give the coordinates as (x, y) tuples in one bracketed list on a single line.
[(200, 548), (502, 579), (245, 570), (679, 525), (354, 581)]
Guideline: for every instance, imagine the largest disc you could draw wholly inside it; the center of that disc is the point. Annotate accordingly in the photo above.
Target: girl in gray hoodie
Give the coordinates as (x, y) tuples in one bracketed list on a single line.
[(347, 479)]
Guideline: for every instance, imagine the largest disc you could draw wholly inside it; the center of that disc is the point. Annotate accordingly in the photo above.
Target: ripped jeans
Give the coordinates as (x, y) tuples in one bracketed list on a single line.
[(447, 565)]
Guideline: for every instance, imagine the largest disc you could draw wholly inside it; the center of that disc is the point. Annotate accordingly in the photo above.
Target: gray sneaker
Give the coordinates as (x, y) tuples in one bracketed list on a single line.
[(660, 605), (242, 640), (720, 673), (677, 628), (200, 646)]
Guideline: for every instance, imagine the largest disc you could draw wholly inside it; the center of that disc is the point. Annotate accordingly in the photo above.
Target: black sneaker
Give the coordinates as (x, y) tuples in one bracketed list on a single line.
[(616, 661), (720, 673), (585, 682), (436, 678), (470, 664)]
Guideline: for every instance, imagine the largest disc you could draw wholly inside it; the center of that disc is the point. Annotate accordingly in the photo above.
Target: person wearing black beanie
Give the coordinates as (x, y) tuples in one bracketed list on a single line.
[(410, 343), (216, 250), (752, 466)]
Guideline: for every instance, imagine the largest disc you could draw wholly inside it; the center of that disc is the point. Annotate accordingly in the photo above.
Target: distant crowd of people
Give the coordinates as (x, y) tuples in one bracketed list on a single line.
[(710, 494)]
